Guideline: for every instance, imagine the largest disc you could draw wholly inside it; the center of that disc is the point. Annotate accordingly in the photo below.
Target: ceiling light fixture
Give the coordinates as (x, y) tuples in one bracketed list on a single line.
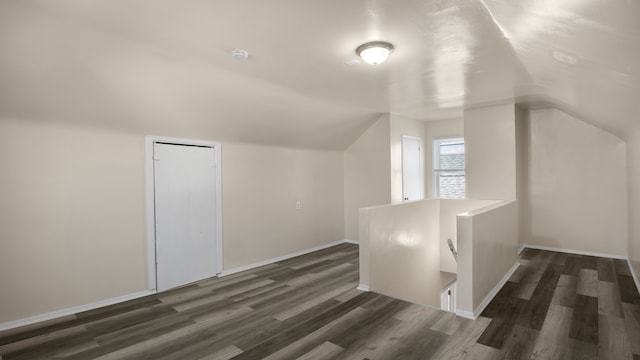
[(375, 52)]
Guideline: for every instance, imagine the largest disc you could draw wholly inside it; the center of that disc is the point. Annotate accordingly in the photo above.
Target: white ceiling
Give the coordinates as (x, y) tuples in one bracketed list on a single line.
[(164, 67)]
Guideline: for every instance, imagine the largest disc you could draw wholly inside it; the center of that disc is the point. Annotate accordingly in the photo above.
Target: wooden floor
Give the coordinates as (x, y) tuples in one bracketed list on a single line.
[(556, 306), (564, 306)]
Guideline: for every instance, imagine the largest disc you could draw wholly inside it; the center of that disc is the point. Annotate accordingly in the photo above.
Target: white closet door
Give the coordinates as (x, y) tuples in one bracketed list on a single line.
[(185, 214)]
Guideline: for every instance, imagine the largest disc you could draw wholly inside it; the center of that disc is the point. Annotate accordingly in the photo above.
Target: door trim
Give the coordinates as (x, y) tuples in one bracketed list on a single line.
[(420, 164), (150, 201)]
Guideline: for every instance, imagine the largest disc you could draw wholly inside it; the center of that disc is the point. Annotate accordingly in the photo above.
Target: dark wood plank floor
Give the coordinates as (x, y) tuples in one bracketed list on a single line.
[(565, 306), (556, 306)]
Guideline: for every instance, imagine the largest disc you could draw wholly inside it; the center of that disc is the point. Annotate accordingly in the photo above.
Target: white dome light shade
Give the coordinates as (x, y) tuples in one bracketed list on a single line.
[(374, 52)]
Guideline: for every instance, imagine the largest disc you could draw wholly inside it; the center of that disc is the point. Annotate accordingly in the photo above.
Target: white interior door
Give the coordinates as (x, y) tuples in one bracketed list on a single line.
[(185, 214), (411, 169)]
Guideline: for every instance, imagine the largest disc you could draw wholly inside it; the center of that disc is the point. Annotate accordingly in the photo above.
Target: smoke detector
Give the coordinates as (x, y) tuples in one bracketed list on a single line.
[(240, 54)]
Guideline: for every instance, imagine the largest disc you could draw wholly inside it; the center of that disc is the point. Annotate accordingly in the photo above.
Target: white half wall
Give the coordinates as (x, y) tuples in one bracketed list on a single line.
[(449, 209), (364, 253), (577, 186), (487, 253), (403, 244)]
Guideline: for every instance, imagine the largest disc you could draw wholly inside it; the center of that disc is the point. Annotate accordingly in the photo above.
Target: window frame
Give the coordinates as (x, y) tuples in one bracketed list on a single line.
[(435, 166)]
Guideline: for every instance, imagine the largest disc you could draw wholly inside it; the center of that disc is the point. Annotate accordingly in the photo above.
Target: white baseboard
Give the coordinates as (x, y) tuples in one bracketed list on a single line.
[(466, 314), (360, 287), (348, 241), (572, 251), (487, 299), (521, 249), (73, 310), (281, 258)]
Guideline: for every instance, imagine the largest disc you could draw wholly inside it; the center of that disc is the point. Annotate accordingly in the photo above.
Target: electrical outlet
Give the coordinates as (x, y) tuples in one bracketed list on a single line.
[(298, 205)]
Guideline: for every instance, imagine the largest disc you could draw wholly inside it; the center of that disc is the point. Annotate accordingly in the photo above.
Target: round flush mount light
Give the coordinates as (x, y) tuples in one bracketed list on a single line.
[(240, 54), (375, 52)]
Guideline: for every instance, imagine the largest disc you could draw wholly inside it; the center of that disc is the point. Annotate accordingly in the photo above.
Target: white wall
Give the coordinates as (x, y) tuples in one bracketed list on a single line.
[(437, 130), (633, 167), (401, 126), (260, 186), (73, 222), (72, 217), (373, 167), (367, 164), (490, 152), (577, 186)]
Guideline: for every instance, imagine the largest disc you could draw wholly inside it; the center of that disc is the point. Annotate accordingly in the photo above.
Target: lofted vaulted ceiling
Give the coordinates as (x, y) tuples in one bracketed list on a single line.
[(164, 67)]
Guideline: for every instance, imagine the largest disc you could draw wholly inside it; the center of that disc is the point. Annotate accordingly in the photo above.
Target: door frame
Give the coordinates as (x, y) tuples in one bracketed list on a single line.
[(420, 164), (150, 201)]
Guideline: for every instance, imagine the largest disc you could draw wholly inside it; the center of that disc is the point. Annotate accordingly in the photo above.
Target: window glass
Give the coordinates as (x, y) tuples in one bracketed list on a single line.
[(448, 168)]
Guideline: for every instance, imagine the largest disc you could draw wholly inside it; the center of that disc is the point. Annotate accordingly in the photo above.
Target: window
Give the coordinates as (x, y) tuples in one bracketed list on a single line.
[(448, 168)]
